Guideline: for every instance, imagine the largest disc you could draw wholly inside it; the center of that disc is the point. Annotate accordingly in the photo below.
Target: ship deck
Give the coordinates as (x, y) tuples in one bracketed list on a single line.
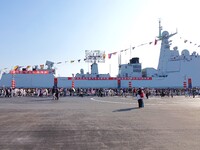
[(99, 123)]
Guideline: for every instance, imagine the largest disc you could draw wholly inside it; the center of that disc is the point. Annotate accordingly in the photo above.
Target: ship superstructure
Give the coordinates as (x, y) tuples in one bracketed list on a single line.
[(30, 78)]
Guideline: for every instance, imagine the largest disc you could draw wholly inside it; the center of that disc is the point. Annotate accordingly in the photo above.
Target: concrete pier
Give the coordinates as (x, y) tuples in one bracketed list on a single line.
[(96, 123)]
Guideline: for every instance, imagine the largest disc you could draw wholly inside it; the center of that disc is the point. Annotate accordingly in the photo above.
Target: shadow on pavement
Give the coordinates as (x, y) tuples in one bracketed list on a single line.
[(125, 109)]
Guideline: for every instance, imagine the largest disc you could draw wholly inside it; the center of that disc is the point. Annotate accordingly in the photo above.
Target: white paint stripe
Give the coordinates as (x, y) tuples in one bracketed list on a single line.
[(110, 101)]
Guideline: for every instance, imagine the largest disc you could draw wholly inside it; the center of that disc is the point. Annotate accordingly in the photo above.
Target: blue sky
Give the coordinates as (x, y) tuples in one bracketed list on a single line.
[(32, 32)]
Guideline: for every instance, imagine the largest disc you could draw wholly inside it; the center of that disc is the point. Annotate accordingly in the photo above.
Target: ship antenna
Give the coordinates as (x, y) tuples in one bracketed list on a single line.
[(169, 36), (160, 30)]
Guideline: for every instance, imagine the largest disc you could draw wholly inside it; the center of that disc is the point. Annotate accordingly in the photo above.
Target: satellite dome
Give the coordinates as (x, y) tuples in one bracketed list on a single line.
[(185, 52)]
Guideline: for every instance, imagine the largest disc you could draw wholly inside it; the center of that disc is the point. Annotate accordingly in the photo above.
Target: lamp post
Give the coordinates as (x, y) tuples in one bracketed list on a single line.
[(72, 81)]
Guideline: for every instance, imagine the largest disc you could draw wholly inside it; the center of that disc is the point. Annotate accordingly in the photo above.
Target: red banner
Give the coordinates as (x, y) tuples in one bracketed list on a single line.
[(111, 78)]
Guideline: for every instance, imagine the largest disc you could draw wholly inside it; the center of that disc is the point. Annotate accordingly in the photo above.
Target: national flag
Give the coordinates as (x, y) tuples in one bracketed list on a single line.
[(143, 44), (27, 67), (16, 67)]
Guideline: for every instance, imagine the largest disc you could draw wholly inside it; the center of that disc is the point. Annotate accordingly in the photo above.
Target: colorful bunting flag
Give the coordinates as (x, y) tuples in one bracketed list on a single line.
[(15, 68), (190, 42), (114, 53), (155, 42), (27, 67), (109, 55), (104, 56)]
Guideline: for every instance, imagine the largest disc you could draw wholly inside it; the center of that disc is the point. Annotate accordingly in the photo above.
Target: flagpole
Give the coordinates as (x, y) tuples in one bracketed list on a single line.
[(88, 67), (110, 68), (119, 58), (126, 55)]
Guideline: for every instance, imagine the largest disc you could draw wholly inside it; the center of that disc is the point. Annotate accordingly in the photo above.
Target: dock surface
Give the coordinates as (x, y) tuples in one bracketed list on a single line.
[(99, 123)]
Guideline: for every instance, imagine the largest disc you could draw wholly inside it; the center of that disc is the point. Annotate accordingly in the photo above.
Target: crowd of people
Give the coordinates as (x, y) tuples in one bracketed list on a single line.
[(101, 92)]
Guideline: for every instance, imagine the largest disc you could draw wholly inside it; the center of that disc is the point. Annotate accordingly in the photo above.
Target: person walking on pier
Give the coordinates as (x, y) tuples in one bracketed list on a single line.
[(54, 92), (140, 96), (57, 92)]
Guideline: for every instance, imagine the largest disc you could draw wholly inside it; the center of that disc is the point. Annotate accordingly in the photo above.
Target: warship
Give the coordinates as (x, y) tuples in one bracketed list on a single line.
[(175, 70)]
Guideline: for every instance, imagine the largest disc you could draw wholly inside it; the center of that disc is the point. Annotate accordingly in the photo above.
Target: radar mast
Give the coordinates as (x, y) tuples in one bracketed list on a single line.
[(93, 56), (160, 31)]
